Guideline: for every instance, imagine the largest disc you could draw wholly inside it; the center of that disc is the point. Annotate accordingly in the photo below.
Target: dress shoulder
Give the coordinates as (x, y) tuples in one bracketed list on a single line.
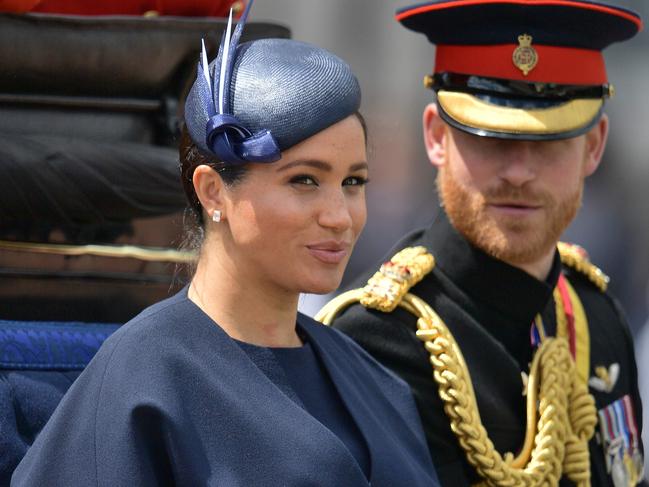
[(355, 353)]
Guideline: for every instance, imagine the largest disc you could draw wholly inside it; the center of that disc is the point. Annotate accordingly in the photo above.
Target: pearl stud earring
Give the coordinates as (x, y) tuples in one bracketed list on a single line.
[(216, 216)]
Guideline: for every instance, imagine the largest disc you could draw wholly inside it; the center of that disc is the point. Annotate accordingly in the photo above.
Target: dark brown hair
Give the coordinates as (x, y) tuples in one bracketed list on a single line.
[(190, 159)]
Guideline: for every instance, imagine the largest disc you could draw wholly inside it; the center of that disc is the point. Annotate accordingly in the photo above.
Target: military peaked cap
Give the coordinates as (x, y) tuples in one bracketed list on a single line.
[(521, 69)]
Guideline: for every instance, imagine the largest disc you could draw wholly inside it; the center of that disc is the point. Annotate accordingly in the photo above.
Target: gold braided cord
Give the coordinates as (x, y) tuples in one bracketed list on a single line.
[(576, 257), (118, 251), (389, 285), (330, 310), (566, 412), (557, 433)]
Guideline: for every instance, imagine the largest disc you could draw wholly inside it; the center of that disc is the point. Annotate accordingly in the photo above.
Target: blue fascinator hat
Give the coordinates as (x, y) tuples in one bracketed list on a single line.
[(262, 97)]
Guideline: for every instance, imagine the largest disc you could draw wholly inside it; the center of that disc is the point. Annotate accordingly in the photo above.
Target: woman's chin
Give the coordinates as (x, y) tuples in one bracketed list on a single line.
[(324, 286)]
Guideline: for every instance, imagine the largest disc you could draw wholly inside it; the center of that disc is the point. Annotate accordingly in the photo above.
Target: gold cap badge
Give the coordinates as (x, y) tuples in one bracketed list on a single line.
[(525, 56)]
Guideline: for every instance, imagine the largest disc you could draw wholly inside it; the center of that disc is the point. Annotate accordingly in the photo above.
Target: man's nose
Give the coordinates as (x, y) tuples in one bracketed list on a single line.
[(519, 166)]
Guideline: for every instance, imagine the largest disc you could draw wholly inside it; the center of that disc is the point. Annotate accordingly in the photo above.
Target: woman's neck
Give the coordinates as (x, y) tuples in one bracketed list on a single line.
[(243, 307)]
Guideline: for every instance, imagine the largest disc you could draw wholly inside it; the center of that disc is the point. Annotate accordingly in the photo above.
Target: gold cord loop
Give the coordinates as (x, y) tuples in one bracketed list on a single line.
[(558, 437)]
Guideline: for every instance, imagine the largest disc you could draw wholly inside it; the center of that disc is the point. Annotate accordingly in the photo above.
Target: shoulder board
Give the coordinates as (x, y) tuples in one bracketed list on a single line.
[(576, 258), (387, 287)]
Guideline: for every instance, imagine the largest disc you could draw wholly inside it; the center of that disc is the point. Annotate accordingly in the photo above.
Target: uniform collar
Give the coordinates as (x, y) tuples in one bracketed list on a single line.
[(486, 279)]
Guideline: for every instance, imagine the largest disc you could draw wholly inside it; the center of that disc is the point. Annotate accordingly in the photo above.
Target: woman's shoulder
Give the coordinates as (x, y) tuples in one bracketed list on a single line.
[(164, 311), (159, 319), (147, 340)]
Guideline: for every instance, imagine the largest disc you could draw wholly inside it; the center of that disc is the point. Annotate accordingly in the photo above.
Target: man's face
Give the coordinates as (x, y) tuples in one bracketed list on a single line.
[(513, 199)]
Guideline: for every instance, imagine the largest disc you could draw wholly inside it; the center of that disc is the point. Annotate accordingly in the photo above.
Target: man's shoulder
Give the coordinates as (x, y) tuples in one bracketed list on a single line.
[(589, 282), (608, 328), (576, 261), (384, 285), (375, 331), (414, 238)]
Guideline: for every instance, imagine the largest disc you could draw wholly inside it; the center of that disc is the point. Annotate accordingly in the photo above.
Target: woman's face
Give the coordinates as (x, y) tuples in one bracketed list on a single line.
[(292, 224)]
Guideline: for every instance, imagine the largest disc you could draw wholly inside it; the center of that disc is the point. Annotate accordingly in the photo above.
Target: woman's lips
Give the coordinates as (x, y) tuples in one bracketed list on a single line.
[(329, 252)]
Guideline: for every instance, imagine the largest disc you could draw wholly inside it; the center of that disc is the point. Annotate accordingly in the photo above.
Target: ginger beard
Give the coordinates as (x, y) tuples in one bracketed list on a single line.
[(513, 240)]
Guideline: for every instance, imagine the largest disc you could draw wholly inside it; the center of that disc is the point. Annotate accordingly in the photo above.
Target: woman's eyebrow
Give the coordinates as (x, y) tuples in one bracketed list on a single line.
[(324, 166), (359, 166)]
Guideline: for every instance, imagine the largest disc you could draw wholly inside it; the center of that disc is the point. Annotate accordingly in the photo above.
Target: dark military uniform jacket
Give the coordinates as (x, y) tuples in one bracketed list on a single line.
[(489, 307)]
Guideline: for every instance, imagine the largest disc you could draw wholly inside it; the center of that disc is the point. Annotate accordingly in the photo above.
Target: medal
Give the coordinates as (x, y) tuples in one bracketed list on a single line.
[(621, 443), (638, 463), (619, 473)]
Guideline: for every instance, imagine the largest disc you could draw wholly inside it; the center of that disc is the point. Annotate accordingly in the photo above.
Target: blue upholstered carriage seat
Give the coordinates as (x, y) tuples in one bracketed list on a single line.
[(38, 363)]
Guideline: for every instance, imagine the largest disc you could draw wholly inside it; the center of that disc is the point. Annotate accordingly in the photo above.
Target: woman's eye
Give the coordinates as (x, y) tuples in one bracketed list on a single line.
[(304, 179), (355, 181)]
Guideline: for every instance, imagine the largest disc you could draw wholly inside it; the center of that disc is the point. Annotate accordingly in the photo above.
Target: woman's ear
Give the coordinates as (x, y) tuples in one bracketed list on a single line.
[(595, 145), (209, 189), (434, 135)]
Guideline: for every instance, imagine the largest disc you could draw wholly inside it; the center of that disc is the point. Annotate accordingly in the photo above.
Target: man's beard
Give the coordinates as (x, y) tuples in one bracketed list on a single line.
[(515, 241)]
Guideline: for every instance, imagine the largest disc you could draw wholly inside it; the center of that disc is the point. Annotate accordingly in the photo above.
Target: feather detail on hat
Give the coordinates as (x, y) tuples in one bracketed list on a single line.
[(225, 136)]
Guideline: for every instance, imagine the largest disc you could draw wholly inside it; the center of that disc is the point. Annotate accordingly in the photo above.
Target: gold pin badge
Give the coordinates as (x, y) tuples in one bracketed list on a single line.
[(525, 56)]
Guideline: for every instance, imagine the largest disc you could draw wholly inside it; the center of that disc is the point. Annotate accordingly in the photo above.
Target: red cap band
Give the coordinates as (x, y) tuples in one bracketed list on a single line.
[(561, 65)]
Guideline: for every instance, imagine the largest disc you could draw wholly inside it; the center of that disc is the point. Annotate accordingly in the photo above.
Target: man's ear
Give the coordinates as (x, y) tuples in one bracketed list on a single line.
[(595, 145), (435, 134), (209, 189)]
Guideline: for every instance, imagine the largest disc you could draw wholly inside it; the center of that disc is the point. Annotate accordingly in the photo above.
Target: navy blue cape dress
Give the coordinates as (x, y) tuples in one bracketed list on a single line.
[(171, 399)]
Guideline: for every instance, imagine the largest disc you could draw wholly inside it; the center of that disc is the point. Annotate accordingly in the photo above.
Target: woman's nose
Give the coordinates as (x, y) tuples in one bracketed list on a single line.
[(335, 212)]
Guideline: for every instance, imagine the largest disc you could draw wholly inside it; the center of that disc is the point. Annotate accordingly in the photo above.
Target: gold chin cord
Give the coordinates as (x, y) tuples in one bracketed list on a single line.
[(561, 414)]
